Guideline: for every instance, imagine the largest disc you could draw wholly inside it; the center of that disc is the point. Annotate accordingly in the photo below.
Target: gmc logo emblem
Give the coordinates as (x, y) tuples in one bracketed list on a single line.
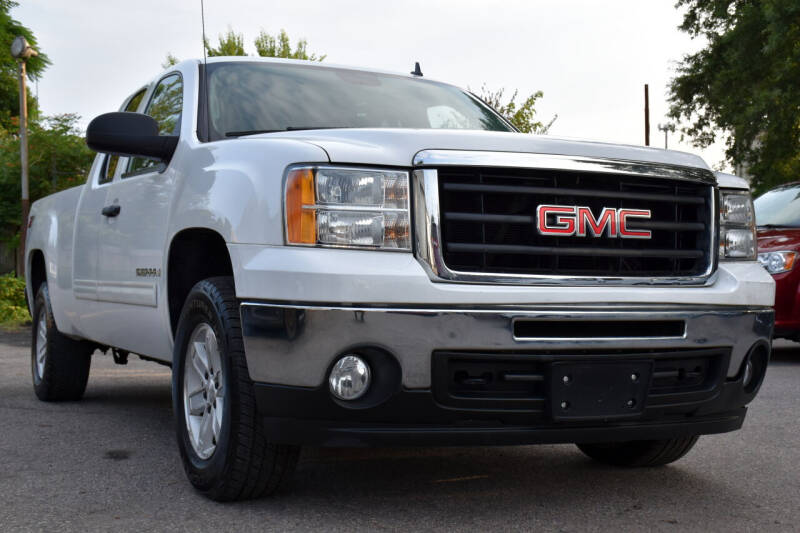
[(569, 220)]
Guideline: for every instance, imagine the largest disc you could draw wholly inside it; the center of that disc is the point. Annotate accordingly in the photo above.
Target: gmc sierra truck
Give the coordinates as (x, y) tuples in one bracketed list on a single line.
[(334, 256)]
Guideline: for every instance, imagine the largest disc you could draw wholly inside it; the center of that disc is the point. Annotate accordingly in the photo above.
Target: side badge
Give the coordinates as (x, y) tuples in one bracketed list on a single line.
[(148, 272)]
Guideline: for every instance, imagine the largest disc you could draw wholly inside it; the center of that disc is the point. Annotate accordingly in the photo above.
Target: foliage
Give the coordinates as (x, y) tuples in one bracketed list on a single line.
[(744, 83), (232, 44), (521, 115), (9, 83), (58, 158), (13, 309), (269, 46), (169, 61)]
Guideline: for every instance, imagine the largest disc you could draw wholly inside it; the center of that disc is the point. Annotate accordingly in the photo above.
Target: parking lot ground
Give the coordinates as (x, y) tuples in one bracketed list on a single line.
[(110, 462)]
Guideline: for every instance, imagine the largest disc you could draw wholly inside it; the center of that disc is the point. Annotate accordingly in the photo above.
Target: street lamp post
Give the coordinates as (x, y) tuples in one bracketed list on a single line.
[(666, 128), (21, 51)]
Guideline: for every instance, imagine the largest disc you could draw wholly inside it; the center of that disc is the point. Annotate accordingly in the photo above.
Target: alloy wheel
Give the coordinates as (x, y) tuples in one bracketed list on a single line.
[(203, 391)]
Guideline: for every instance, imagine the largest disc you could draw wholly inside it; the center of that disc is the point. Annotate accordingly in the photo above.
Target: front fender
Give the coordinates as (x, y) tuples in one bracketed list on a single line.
[(234, 187)]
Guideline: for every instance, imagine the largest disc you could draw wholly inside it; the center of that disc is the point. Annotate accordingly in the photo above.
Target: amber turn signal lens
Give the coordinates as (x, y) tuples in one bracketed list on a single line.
[(790, 261), (300, 221)]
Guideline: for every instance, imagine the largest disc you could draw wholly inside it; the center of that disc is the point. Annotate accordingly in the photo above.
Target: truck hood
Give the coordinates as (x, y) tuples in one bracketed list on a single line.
[(397, 147)]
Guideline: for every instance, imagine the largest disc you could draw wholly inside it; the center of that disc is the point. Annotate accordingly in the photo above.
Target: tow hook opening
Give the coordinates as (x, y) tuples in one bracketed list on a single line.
[(754, 367)]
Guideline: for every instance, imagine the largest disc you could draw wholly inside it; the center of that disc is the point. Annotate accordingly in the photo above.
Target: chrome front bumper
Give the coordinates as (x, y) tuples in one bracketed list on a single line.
[(293, 345)]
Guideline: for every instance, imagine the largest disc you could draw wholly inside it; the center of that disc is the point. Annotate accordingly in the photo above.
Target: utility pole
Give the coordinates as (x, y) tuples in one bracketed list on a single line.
[(669, 127), (21, 51), (646, 115)]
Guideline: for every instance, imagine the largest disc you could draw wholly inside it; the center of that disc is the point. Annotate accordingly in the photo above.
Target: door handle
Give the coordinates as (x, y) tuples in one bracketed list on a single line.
[(111, 210)]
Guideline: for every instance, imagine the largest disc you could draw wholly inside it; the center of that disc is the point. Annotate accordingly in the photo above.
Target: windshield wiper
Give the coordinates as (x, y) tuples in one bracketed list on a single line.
[(248, 132), (290, 128)]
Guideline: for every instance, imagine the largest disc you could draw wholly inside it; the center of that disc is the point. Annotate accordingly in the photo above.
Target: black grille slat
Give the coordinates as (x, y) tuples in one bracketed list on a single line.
[(511, 219), (683, 375), (674, 226), (552, 250), (489, 215), (502, 189)]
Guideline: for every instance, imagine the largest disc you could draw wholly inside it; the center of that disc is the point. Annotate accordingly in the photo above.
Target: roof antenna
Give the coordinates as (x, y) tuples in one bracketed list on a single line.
[(205, 72), (417, 71)]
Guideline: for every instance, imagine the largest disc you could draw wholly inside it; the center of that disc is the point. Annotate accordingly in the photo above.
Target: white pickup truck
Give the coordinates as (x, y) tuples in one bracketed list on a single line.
[(337, 256)]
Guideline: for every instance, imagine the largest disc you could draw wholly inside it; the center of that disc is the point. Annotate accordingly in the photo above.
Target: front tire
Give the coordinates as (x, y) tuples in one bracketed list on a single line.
[(59, 365), (641, 453), (225, 451)]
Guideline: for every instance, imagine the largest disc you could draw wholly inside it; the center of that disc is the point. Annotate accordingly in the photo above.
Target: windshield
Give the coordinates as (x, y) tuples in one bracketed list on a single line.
[(247, 97), (779, 207)]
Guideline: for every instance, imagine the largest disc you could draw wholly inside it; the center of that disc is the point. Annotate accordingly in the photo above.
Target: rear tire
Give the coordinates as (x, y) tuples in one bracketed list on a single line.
[(59, 365), (223, 445), (641, 453)]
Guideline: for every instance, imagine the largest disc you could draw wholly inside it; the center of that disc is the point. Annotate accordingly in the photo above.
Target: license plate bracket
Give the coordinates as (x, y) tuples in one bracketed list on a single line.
[(598, 390)]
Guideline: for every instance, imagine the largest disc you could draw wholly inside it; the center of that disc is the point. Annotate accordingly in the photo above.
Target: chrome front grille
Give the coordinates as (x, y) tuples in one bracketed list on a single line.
[(485, 225)]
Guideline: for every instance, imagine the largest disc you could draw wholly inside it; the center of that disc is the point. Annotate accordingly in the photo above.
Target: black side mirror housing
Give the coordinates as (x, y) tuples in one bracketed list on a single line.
[(129, 134)]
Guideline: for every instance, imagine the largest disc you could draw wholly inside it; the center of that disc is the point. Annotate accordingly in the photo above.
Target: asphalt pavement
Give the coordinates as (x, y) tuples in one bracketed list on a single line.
[(110, 462)]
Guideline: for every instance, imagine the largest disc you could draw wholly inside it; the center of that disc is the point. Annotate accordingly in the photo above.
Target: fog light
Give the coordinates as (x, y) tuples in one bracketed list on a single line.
[(350, 378)]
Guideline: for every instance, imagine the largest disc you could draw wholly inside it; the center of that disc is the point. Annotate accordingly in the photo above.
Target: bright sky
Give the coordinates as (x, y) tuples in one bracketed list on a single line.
[(590, 58)]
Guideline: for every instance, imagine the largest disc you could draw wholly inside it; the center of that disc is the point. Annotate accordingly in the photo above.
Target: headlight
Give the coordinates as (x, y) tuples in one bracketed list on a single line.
[(347, 207), (737, 232), (777, 262)]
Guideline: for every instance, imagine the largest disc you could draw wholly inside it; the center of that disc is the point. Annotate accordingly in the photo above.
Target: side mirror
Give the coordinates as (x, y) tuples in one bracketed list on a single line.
[(129, 134)]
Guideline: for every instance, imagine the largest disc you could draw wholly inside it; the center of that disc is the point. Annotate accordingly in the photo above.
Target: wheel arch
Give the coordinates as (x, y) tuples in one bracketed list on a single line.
[(194, 254), (37, 274)]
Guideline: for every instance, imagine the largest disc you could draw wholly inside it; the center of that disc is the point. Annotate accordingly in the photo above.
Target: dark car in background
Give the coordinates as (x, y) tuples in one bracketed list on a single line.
[(778, 226)]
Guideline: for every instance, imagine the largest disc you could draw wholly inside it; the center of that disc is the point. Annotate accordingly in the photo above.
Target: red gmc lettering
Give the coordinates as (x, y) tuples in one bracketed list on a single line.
[(608, 219), (624, 215), (566, 220)]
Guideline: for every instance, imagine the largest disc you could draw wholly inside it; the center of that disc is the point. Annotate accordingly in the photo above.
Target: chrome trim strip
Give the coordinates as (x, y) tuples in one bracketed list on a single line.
[(128, 292), (124, 292), (561, 311), (296, 344), (427, 219), (85, 289), (436, 158), (357, 208)]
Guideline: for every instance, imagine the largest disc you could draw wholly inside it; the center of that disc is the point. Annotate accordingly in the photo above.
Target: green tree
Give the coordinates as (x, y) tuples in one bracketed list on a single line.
[(9, 84), (230, 44), (280, 46), (744, 85), (522, 115), (58, 159)]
